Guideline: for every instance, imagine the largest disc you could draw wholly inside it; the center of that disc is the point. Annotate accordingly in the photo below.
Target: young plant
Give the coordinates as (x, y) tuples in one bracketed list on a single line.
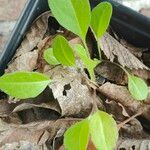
[(88, 63), (23, 85), (100, 127), (100, 20), (76, 16), (137, 87)]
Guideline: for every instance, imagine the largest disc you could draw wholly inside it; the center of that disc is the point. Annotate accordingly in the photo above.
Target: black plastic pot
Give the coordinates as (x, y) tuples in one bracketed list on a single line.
[(132, 26)]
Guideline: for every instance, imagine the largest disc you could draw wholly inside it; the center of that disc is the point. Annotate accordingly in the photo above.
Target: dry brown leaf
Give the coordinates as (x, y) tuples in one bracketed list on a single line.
[(111, 72), (25, 58), (144, 74), (134, 50), (132, 129), (117, 110), (5, 108), (58, 139), (25, 62), (73, 97), (111, 48), (121, 94), (23, 145), (133, 144), (26, 106), (44, 100), (35, 133), (34, 35)]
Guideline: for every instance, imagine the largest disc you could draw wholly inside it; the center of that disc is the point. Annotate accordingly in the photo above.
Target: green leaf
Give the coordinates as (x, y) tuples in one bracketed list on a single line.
[(137, 87), (100, 18), (77, 136), (23, 85), (89, 64), (63, 52), (103, 131), (74, 15), (49, 57)]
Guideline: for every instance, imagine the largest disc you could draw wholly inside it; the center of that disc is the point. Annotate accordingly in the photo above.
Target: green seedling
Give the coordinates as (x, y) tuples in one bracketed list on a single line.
[(89, 64), (137, 87), (50, 58), (77, 136), (24, 85), (76, 16), (63, 51), (100, 20), (100, 127)]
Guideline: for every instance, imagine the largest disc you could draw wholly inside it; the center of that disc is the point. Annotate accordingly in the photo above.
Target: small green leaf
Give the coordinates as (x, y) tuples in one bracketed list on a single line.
[(77, 136), (74, 15), (63, 52), (103, 131), (23, 85), (100, 18), (137, 87), (49, 57), (89, 64)]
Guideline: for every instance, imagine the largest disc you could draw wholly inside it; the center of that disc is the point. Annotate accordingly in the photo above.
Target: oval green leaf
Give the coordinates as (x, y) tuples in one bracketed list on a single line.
[(100, 18), (23, 85), (77, 136), (74, 15), (103, 131), (63, 52), (137, 87), (49, 57)]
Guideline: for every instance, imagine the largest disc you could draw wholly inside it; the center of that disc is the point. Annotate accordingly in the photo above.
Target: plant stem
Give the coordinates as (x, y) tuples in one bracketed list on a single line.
[(99, 50), (129, 119), (86, 48), (122, 68)]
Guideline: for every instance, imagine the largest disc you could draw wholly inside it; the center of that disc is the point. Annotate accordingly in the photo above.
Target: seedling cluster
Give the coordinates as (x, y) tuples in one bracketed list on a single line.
[(77, 17)]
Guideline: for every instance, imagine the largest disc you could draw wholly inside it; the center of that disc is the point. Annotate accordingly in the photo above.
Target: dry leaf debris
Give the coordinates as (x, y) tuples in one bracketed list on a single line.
[(111, 48)]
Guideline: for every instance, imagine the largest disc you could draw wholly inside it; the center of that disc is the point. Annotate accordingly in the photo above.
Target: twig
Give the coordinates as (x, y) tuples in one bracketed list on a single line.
[(129, 119)]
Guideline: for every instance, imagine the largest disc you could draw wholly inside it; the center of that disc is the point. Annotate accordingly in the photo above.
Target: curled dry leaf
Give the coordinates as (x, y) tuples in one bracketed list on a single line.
[(116, 109), (134, 50), (36, 133), (43, 107), (23, 145), (26, 62), (74, 98), (144, 74), (25, 58), (121, 94), (111, 72), (132, 129), (111, 48), (5, 108), (35, 34), (133, 144)]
